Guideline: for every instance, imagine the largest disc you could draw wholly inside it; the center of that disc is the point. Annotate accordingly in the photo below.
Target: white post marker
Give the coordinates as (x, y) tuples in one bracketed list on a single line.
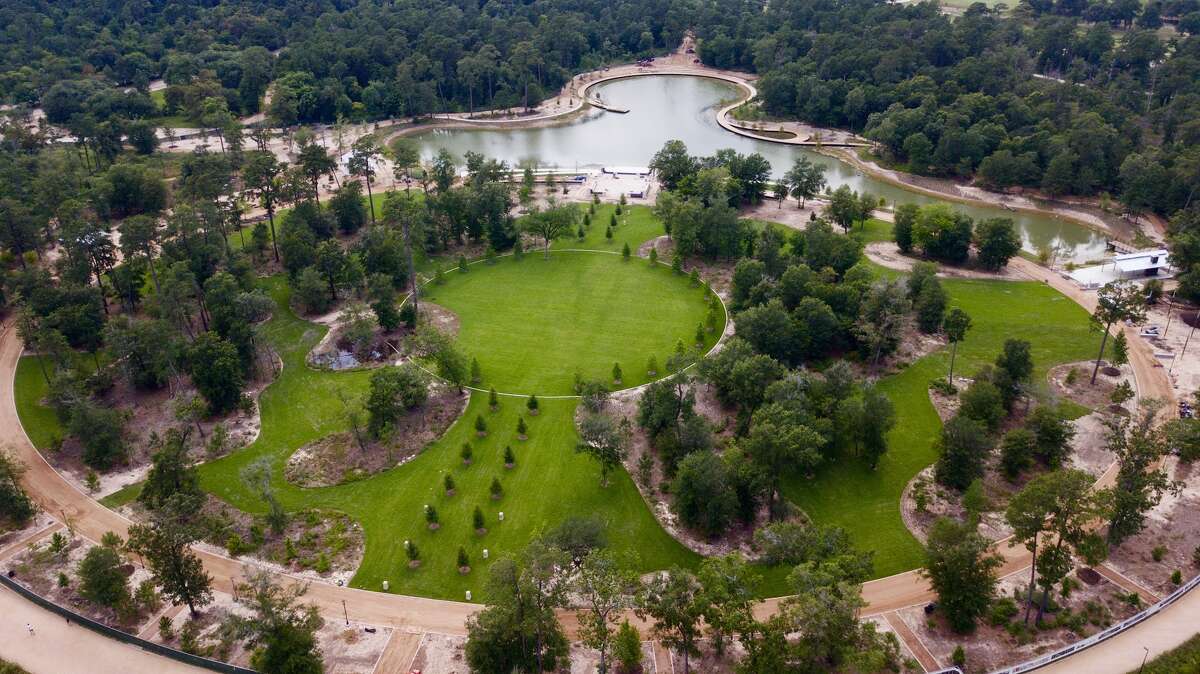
[(485, 553), (385, 586), (501, 515), (468, 595)]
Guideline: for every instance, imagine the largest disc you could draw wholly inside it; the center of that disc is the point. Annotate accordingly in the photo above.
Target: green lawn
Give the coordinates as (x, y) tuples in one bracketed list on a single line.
[(867, 504), (533, 323), (534, 340), (1184, 658)]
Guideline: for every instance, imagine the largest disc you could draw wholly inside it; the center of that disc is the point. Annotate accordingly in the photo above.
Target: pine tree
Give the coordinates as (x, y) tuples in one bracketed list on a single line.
[(699, 334), (477, 519), (448, 481), (465, 453), (496, 489), (493, 400), (608, 233), (480, 426), (616, 373), (476, 371), (510, 459), (694, 278), (677, 263), (652, 366), (653, 256), (625, 252), (464, 562), (431, 517), (532, 405), (462, 263), (414, 555), (522, 431)]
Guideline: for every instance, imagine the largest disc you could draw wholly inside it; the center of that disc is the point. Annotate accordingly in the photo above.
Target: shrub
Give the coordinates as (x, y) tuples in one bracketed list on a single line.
[(677, 263), (625, 252), (616, 373), (608, 233), (448, 484), (462, 264), (694, 278), (477, 519), (959, 658), (652, 367), (410, 549), (1002, 611), (431, 517), (522, 430), (510, 459), (166, 630), (480, 426), (532, 405), (654, 256), (464, 562), (1177, 577), (493, 400), (466, 453), (496, 489), (476, 372), (1158, 552)]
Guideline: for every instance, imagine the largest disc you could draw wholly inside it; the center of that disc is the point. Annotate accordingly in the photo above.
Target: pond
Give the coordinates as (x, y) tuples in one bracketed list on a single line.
[(672, 107)]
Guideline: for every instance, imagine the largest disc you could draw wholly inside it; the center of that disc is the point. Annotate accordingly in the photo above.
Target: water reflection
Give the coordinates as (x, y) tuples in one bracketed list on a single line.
[(664, 108)]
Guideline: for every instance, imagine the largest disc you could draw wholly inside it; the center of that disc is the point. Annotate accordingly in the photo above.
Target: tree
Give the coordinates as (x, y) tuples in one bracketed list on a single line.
[(1141, 481), (963, 449), (393, 390), (1116, 302), (1017, 449), (216, 370), (778, 442), (363, 155), (943, 233), (263, 176), (163, 542), (101, 579), (673, 601), (844, 207), (955, 325), (552, 223), (1058, 507), (726, 597), (314, 161), (171, 472), (16, 508), (805, 179), (961, 568), (256, 477), (673, 164), (606, 588), (518, 629), (701, 494), (405, 156), (602, 439), (997, 242), (902, 228), (280, 630), (878, 328), (930, 306), (1052, 434), (348, 209), (627, 649)]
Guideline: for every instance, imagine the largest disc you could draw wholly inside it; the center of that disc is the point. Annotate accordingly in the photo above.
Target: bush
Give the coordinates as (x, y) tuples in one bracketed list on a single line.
[(1158, 553), (959, 658), (448, 484), (1177, 577), (1002, 611)]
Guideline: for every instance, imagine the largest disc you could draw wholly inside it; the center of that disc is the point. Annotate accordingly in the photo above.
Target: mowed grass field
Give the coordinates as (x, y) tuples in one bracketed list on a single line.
[(535, 322), (866, 503)]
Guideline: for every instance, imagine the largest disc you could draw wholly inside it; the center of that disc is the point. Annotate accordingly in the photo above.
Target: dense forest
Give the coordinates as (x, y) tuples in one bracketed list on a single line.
[(1072, 97)]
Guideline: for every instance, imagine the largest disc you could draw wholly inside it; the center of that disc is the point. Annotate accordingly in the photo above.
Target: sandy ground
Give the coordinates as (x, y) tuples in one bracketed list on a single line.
[(1183, 365), (46, 651)]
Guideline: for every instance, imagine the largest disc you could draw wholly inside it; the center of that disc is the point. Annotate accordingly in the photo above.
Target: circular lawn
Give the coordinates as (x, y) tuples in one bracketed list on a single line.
[(536, 322)]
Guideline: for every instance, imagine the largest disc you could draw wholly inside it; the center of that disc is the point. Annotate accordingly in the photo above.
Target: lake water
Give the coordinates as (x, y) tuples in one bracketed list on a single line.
[(674, 107)]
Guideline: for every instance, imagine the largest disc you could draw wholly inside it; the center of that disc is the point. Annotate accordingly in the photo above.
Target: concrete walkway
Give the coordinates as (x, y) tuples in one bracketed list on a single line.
[(58, 648)]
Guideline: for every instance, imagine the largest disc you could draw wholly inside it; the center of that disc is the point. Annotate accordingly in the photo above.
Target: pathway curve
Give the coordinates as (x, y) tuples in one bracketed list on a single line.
[(63, 500)]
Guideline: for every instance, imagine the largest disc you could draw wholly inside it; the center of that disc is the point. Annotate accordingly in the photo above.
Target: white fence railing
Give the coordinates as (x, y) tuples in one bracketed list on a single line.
[(1107, 633)]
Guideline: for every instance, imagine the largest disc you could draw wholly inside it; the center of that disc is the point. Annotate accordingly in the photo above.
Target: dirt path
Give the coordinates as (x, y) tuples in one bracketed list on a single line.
[(401, 650), (914, 643), (60, 648)]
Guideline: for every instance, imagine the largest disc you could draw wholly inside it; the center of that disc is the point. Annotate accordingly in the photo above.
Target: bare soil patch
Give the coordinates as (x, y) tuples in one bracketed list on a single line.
[(1089, 609), (149, 415), (441, 653), (1173, 527), (338, 458), (1078, 388)]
